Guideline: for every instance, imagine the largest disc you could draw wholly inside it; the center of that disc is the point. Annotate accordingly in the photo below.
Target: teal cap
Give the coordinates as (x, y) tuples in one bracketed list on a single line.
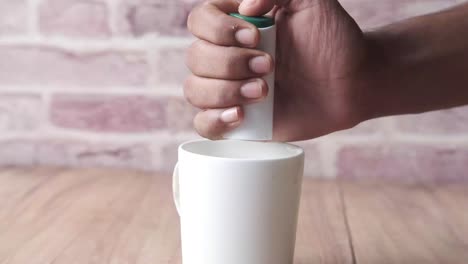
[(258, 21)]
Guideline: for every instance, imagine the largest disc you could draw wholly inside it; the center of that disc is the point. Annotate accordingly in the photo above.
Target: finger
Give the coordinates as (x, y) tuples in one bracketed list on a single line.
[(213, 93), (211, 22), (258, 7), (231, 63), (214, 123)]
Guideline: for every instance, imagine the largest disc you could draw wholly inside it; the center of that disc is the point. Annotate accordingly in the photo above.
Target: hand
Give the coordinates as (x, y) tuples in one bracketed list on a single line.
[(321, 60)]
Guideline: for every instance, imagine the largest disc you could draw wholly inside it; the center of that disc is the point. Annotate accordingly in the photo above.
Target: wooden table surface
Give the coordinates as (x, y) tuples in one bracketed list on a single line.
[(101, 216)]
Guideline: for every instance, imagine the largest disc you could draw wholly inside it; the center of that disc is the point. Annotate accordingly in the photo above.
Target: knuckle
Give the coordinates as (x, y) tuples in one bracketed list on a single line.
[(223, 32), (190, 56), (190, 19), (218, 36), (193, 16), (219, 98), (207, 127), (192, 49), (232, 60), (200, 126), (187, 88), (228, 96), (207, 3)]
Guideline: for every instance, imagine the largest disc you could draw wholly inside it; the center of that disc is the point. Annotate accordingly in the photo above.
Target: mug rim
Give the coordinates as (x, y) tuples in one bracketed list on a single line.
[(182, 149)]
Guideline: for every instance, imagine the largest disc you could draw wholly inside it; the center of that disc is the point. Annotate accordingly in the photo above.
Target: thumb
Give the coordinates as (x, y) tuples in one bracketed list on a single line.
[(257, 7)]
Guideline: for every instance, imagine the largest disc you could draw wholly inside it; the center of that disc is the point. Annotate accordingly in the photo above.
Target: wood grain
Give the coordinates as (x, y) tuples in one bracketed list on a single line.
[(90, 216), (322, 236), (406, 224), (101, 216), (65, 216)]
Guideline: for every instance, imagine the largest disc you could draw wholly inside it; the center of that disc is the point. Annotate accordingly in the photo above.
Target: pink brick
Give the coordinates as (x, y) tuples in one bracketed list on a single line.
[(77, 153), (45, 66), (447, 122), (191, 2), (179, 114), (20, 112), (140, 17), (61, 152), (406, 162), (410, 8), (121, 114), (125, 114), (84, 18), (371, 13), (13, 17), (170, 66)]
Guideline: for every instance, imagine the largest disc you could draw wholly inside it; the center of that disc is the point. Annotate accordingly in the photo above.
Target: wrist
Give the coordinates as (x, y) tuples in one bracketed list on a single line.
[(376, 98), (366, 83)]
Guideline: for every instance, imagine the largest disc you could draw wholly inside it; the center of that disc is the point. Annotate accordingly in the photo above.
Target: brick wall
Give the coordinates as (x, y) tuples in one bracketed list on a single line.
[(98, 83)]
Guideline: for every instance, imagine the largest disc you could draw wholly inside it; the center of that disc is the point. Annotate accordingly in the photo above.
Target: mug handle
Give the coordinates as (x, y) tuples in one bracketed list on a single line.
[(175, 188)]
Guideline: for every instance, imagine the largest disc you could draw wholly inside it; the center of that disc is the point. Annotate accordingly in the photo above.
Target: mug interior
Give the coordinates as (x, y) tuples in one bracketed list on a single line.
[(242, 150)]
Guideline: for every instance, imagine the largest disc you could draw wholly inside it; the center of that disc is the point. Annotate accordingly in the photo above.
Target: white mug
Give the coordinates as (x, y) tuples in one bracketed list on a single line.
[(238, 201)]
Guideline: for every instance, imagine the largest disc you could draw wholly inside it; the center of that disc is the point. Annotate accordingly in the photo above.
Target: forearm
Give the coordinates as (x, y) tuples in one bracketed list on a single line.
[(418, 65)]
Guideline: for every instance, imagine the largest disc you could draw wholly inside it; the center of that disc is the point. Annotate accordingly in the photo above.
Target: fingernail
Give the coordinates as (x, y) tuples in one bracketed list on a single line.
[(249, 2), (252, 90), (230, 115), (260, 65), (245, 36)]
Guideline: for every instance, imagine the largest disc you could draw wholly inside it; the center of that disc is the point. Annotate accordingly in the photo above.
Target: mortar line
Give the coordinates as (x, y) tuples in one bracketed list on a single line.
[(96, 45), (401, 138), (170, 90), (152, 55), (54, 133)]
